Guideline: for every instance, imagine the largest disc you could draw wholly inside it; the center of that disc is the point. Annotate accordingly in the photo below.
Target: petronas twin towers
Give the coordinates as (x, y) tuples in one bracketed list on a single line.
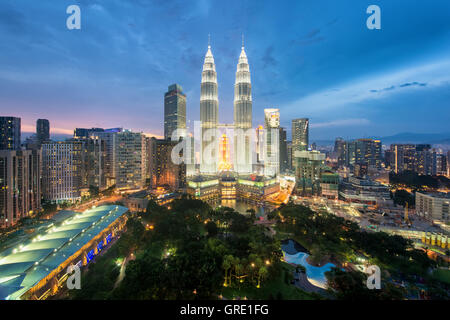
[(209, 116)]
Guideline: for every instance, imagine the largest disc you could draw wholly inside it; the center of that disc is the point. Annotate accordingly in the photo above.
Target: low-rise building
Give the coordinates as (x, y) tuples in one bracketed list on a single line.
[(228, 187), (329, 185), (38, 267), (364, 191), (433, 206)]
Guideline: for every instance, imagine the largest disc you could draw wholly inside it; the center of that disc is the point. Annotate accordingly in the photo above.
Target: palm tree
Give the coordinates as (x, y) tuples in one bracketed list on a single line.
[(262, 274), (238, 268), (447, 253), (227, 264)]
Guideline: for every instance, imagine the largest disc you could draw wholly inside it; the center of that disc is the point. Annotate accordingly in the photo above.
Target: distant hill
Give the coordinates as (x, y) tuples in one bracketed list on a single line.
[(408, 137), (56, 137), (442, 139)]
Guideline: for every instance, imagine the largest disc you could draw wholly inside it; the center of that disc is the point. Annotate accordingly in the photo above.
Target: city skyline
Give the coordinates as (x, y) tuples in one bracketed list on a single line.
[(323, 66)]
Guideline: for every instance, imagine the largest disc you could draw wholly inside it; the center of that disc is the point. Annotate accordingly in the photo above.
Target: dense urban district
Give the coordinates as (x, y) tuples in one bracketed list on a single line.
[(248, 214)]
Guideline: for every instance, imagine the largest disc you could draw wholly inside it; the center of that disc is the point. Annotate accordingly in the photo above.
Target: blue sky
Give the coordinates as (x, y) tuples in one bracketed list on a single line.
[(311, 59)]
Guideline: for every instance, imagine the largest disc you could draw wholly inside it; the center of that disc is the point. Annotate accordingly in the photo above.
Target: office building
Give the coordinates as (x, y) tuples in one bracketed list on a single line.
[(283, 152), (340, 151), (300, 134), (42, 131), (289, 155), (272, 140), (174, 112)]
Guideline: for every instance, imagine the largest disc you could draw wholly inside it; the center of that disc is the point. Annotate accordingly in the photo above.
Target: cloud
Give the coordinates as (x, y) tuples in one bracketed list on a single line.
[(341, 123), (268, 59), (404, 85), (310, 38), (415, 83), (359, 90)]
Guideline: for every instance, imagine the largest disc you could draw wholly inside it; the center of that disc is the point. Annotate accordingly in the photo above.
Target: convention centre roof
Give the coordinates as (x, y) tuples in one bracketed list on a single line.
[(23, 266)]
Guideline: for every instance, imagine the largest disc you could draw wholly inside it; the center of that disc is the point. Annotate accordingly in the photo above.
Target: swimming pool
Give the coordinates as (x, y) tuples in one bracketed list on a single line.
[(315, 275)]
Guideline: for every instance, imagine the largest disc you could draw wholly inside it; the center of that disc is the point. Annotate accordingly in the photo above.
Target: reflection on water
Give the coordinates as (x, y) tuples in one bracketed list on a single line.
[(242, 206)]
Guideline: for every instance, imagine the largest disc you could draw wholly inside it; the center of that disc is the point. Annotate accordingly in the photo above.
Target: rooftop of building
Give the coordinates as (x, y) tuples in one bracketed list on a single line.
[(441, 195), (23, 266)]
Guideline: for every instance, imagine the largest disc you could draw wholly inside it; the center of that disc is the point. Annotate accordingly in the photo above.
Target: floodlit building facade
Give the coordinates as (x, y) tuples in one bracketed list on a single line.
[(61, 171), (209, 116), (244, 136)]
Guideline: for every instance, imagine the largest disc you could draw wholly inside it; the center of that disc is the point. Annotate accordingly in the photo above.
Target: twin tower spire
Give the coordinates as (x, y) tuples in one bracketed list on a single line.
[(209, 111)]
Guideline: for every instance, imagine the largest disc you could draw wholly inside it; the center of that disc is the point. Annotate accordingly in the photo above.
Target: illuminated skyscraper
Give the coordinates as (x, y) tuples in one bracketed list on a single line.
[(271, 154), (243, 116), (174, 112), (209, 115), (300, 134)]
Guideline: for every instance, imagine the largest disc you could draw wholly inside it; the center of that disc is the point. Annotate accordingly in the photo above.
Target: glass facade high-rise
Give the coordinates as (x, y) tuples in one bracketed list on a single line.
[(9, 133), (300, 134), (42, 131), (243, 116), (174, 112), (284, 160), (209, 115), (340, 148)]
